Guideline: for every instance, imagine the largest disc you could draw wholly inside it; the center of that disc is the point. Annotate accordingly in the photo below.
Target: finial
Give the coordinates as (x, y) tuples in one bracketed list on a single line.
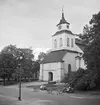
[(62, 12), (62, 9)]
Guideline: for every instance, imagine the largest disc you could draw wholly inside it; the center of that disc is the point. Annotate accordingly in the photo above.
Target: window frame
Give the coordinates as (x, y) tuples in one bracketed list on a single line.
[(55, 43), (72, 42), (61, 42), (68, 41)]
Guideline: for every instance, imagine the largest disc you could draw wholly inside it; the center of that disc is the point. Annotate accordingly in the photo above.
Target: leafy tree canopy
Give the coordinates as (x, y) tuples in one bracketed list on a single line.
[(41, 56), (92, 51)]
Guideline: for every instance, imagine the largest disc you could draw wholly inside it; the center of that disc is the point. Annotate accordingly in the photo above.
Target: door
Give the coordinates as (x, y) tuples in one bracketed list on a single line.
[(50, 76)]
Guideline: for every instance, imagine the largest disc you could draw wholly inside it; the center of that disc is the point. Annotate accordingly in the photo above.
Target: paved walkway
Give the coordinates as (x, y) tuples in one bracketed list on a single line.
[(74, 95), (7, 100), (42, 98)]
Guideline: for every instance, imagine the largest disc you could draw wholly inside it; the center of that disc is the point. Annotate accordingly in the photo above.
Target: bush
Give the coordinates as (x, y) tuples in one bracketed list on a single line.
[(65, 78), (52, 82), (69, 79), (82, 79), (80, 72), (75, 76), (87, 81)]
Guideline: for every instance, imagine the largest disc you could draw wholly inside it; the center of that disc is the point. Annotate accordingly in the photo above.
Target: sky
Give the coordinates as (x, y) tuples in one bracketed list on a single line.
[(31, 23)]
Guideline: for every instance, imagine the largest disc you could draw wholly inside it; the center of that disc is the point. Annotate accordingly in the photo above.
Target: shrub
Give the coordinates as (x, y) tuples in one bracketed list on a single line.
[(75, 76), (65, 78), (87, 81), (83, 79), (52, 82), (80, 72)]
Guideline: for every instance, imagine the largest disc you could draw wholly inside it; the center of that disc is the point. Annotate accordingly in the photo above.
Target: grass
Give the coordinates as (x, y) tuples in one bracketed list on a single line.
[(13, 82), (52, 86)]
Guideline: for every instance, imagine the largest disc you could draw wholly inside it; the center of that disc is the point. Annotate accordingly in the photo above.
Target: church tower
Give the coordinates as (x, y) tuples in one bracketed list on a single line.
[(65, 55), (63, 24), (63, 38)]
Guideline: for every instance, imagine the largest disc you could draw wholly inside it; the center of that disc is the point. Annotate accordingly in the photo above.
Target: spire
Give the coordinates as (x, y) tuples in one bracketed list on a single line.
[(62, 12), (63, 20)]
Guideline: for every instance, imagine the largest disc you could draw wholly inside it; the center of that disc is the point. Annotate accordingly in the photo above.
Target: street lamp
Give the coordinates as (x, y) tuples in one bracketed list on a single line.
[(19, 59)]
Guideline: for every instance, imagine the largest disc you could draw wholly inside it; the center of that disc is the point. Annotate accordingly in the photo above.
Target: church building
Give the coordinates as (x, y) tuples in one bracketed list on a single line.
[(65, 55)]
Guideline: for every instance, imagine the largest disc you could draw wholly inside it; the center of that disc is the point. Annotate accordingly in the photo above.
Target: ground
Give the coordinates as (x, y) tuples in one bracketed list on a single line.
[(35, 98)]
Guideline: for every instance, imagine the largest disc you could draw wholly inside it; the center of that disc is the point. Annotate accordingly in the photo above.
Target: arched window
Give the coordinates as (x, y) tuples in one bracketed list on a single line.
[(61, 42), (55, 43), (67, 41), (72, 44), (69, 69)]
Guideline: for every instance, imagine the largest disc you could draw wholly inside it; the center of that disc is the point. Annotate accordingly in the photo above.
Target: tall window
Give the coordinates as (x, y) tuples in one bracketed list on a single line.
[(67, 41), (55, 43), (69, 69), (72, 44), (61, 42)]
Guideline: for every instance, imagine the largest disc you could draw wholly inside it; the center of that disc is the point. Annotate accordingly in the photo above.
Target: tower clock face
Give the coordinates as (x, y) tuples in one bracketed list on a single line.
[(59, 27)]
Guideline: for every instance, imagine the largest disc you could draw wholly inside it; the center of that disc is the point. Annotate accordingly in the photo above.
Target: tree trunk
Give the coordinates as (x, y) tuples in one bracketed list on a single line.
[(25, 78), (4, 81), (8, 79)]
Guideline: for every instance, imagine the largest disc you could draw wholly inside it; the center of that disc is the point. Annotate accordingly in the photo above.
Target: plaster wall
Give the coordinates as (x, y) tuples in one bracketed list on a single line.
[(55, 68), (69, 58)]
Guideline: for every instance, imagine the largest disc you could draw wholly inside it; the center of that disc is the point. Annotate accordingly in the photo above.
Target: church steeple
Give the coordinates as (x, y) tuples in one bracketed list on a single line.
[(63, 20)]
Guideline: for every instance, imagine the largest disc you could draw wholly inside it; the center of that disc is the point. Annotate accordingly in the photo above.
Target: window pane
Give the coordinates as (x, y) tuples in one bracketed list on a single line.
[(61, 42), (72, 42), (55, 43), (67, 41)]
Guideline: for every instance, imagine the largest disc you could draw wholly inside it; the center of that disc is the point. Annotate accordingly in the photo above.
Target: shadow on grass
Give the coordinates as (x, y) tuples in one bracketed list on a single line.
[(52, 86)]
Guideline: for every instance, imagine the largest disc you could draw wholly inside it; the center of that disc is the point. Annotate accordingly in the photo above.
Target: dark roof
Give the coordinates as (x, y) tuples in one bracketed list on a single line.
[(81, 44), (54, 56), (63, 20), (78, 41), (63, 31)]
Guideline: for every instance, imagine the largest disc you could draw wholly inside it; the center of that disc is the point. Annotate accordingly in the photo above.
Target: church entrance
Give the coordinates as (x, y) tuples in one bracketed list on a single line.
[(50, 76)]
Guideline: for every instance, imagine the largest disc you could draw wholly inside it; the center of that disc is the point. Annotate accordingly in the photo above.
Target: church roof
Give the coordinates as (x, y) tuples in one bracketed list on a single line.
[(78, 41), (63, 20), (54, 56), (81, 44), (63, 31)]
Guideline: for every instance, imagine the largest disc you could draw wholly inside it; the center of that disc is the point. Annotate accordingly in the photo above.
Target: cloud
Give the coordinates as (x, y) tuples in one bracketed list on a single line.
[(33, 22), (36, 51)]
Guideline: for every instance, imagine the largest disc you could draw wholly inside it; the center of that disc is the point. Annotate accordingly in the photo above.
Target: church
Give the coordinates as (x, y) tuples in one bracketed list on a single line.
[(65, 55)]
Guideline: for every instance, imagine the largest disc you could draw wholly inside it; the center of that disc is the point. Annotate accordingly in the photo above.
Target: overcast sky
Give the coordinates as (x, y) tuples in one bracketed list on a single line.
[(28, 23)]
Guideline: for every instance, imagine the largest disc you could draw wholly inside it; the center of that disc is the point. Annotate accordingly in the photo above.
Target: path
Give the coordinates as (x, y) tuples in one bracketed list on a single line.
[(40, 97)]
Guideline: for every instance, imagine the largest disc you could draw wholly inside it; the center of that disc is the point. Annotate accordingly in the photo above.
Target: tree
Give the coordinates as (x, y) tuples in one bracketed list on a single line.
[(11, 49), (7, 66), (86, 36), (36, 68), (25, 63), (41, 56), (92, 51)]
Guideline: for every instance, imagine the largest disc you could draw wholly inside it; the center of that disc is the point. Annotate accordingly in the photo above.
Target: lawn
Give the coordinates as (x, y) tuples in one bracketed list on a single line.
[(52, 86)]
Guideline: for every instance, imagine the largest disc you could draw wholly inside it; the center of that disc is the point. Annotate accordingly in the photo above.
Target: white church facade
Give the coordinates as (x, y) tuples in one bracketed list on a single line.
[(65, 55)]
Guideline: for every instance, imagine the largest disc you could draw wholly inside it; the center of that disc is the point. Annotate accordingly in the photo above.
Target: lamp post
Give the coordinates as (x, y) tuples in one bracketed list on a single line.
[(20, 58)]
